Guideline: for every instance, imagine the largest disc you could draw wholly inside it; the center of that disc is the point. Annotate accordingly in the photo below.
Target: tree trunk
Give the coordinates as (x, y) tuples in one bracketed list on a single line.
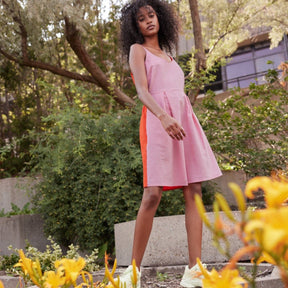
[(197, 32), (199, 47)]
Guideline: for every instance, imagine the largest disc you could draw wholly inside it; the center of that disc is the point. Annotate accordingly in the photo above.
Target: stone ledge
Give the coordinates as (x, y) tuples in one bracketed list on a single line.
[(167, 245), (12, 282)]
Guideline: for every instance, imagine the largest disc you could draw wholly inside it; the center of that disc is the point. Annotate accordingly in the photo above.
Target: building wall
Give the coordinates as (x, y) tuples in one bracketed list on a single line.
[(249, 64)]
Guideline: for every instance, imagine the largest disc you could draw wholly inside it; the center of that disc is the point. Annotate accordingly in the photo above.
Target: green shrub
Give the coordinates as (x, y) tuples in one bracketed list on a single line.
[(249, 132), (47, 258), (91, 176), (8, 261)]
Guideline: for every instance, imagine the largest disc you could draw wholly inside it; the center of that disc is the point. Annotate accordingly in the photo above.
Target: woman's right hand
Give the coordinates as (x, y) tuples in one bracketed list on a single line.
[(172, 127)]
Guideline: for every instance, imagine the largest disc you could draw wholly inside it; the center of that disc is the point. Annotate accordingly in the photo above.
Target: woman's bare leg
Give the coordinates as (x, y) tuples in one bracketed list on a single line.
[(193, 222), (149, 204)]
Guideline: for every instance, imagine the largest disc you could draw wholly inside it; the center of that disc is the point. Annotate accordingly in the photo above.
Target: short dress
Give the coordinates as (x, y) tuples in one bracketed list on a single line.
[(172, 163)]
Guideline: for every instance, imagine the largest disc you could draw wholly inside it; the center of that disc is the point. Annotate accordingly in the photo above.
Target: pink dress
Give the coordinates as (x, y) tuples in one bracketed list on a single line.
[(166, 162)]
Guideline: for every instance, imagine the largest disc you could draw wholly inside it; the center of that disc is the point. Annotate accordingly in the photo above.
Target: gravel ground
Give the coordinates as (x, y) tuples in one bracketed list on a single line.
[(153, 277), (162, 277)]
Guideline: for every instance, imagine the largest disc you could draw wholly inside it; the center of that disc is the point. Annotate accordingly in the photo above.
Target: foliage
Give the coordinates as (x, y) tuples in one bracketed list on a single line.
[(23, 117), (45, 26), (8, 261), (227, 23), (18, 114), (200, 79), (262, 232), (91, 176), (47, 258), (249, 131), (161, 276), (15, 210)]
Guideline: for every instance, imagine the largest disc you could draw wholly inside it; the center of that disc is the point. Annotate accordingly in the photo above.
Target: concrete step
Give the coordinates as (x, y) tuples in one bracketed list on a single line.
[(167, 245)]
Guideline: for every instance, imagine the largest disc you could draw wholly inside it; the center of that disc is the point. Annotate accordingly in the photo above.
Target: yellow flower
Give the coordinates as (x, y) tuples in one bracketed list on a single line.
[(134, 277), (264, 257), (202, 211), (24, 263), (54, 280), (31, 268), (225, 206), (218, 224), (86, 282), (226, 278), (110, 277), (275, 190), (1, 284), (269, 228), (238, 196), (72, 268)]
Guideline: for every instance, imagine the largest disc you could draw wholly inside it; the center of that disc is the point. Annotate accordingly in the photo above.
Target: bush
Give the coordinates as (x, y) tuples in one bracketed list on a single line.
[(8, 261), (91, 176), (47, 258), (248, 132)]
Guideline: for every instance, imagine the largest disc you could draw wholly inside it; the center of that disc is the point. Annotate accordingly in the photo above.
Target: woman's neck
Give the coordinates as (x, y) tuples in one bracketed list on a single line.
[(152, 43)]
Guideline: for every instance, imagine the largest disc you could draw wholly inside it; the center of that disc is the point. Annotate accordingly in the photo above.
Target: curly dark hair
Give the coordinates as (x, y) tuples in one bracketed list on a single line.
[(168, 22)]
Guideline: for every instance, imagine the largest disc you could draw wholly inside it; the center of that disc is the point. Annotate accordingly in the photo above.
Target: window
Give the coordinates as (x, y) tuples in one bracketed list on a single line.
[(250, 64)]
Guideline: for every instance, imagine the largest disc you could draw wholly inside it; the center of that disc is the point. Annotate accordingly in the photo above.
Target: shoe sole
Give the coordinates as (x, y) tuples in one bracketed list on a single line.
[(190, 286)]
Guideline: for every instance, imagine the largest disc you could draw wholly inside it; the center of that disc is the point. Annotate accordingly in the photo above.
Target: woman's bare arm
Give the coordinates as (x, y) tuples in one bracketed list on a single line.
[(137, 66)]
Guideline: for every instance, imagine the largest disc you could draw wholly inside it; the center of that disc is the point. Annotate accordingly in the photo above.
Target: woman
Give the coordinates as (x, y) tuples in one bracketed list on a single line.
[(175, 151)]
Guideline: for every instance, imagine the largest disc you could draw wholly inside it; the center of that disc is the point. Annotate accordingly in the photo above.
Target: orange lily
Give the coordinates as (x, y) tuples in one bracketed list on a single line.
[(54, 280), (134, 277), (226, 278), (31, 268), (275, 190), (269, 228), (73, 268)]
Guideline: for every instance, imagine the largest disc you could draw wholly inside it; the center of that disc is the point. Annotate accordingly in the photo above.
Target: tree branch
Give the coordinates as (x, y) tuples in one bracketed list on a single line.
[(226, 30), (48, 67)]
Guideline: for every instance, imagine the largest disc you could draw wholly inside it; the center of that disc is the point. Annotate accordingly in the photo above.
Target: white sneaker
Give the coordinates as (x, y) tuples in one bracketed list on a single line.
[(192, 277), (127, 276)]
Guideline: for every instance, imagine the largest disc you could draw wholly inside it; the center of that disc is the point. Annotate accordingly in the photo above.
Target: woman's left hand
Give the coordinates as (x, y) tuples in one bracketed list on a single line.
[(172, 127)]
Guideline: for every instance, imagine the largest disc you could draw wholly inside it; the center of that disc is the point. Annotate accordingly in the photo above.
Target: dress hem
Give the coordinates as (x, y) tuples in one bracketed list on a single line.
[(179, 186)]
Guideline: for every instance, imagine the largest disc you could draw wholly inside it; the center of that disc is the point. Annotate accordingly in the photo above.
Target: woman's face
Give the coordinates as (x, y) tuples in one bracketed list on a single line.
[(147, 21)]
